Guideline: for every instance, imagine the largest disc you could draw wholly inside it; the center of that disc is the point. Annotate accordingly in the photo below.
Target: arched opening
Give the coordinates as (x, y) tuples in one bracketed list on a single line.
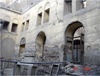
[(74, 41), (22, 47), (39, 16), (6, 23), (46, 12), (40, 42), (14, 26)]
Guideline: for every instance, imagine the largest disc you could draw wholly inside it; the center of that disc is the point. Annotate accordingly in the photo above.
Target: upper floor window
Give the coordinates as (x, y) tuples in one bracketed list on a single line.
[(46, 12), (67, 7), (39, 16), (84, 3), (39, 19), (46, 15), (14, 27), (23, 25), (27, 24), (5, 25), (80, 4)]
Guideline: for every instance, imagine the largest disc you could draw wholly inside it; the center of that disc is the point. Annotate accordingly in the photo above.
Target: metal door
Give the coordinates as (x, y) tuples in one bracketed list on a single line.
[(77, 49)]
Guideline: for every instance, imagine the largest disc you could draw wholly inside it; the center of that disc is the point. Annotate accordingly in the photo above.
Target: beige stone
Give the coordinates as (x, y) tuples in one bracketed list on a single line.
[(54, 23)]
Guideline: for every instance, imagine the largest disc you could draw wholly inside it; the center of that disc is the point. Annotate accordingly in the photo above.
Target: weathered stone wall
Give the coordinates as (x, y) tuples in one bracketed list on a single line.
[(58, 22), (56, 27), (8, 46)]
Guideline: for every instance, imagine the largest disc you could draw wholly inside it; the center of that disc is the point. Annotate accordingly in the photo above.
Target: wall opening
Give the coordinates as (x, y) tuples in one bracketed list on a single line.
[(46, 15), (84, 3), (39, 19), (74, 41), (22, 47), (14, 27), (80, 4), (40, 43), (5, 25), (27, 25), (67, 7), (23, 25)]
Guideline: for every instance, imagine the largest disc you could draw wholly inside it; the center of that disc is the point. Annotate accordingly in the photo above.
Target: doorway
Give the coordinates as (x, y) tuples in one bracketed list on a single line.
[(22, 47), (40, 43), (74, 41)]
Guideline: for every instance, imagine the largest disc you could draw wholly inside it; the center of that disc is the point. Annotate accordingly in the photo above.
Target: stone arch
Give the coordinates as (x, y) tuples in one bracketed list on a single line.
[(14, 25), (47, 5), (7, 18), (74, 44), (15, 20), (40, 43), (40, 9), (23, 41), (70, 30), (7, 48), (22, 46)]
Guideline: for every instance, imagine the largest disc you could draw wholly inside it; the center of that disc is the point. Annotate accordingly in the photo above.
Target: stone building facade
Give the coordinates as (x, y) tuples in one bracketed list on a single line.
[(47, 31)]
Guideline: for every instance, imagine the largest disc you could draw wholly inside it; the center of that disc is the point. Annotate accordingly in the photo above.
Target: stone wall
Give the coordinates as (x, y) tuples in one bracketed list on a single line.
[(56, 27)]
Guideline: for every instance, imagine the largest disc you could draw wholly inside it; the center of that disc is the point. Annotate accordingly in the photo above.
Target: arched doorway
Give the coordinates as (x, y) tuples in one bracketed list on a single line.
[(40, 42), (74, 41), (22, 47)]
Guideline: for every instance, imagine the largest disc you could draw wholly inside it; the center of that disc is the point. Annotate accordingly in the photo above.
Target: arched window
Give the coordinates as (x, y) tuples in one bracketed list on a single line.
[(39, 16), (46, 12), (22, 46), (14, 26), (6, 23)]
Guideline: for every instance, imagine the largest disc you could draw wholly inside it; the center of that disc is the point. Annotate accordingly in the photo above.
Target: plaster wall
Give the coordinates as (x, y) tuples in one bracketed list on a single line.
[(56, 27)]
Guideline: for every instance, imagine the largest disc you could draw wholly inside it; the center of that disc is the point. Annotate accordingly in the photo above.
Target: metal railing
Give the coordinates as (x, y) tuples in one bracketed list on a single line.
[(32, 68), (46, 68)]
